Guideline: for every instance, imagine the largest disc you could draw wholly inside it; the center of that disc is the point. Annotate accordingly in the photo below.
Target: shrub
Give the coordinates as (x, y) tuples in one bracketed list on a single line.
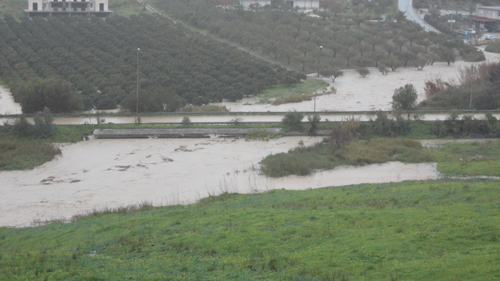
[(257, 134), (293, 120), (471, 54), (493, 47), (384, 70), (465, 126), (313, 123), (363, 71), (383, 126), (340, 136), (405, 98), (439, 129), (186, 121), (43, 124), (22, 127), (292, 98)]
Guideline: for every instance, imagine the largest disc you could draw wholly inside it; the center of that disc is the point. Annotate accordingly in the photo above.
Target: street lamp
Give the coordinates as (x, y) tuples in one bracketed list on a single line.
[(137, 94), (317, 62), (317, 69), (472, 77)]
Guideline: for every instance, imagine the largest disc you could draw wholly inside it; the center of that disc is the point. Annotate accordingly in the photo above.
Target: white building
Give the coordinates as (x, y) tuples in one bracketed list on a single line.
[(49, 7), (305, 4), (302, 4), (256, 3)]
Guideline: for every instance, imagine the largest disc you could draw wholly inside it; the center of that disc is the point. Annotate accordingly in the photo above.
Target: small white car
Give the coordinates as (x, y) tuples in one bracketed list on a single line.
[(490, 37)]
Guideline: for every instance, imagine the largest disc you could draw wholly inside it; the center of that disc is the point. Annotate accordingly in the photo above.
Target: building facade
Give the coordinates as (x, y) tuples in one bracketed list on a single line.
[(52, 7), (489, 12), (487, 17)]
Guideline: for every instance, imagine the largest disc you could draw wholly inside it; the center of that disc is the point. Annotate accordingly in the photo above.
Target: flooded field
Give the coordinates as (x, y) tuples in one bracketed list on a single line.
[(112, 173), (7, 103)]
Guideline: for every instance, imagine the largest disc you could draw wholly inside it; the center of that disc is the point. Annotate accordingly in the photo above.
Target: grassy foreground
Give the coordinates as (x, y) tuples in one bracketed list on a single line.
[(432, 230)]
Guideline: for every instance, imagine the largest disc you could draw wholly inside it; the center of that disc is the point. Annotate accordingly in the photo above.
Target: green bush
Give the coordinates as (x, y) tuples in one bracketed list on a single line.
[(43, 124), (383, 126), (493, 47), (22, 127), (472, 54), (293, 120), (257, 134), (363, 71), (186, 121), (465, 126), (313, 123)]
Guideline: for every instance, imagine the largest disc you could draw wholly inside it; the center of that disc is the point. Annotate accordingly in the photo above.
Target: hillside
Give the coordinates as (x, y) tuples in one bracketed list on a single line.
[(435, 230), (99, 59)]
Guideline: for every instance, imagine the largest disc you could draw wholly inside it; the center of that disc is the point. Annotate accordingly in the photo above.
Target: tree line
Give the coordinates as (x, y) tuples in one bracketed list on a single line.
[(359, 35)]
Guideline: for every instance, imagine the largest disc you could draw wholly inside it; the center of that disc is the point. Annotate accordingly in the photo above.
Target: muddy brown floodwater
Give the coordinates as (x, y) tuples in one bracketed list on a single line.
[(112, 173), (7, 103)]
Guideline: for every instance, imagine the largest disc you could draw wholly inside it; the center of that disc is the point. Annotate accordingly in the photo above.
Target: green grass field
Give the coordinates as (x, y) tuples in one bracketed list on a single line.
[(469, 159), (434, 230), (305, 88)]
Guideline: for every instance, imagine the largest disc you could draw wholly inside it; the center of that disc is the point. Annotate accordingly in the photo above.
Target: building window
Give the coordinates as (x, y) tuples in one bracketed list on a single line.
[(35, 6)]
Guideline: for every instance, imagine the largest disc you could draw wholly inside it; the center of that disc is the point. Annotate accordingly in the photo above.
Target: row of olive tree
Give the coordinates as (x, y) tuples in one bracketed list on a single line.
[(102, 63)]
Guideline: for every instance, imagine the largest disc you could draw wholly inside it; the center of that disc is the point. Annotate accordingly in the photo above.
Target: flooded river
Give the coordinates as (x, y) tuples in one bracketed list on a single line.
[(112, 173)]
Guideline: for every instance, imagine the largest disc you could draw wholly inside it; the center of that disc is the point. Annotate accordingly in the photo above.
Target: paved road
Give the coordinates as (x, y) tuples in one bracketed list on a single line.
[(223, 119), (407, 6)]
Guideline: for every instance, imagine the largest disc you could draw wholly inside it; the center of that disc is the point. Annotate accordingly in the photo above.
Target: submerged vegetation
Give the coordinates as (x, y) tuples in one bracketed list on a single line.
[(431, 230), (21, 154), (304, 160)]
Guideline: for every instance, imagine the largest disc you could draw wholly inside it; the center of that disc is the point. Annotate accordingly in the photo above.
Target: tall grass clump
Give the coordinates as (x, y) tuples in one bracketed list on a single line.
[(203, 108), (326, 155), (257, 134), (19, 154), (293, 121), (291, 98)]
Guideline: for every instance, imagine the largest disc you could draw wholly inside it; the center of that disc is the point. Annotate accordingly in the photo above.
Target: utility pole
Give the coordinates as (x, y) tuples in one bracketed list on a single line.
[(317, 62), (317, 69), (137, 93)]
